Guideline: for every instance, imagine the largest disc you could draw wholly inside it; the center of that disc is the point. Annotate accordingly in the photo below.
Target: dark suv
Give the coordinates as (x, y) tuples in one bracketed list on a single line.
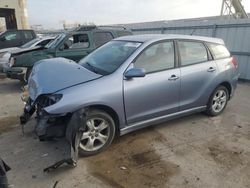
[(73, 45), (16, 38)]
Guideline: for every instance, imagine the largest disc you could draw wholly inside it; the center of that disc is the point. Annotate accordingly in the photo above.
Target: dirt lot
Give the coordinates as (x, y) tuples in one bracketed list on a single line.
[(194, 151)]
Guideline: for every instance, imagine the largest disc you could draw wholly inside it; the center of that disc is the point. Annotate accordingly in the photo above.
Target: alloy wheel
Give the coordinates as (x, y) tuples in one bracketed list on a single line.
[(219, 100), (96, 135)]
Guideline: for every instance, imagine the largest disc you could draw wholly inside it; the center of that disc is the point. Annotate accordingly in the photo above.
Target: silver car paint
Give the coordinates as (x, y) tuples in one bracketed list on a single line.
[(127, 99), (58, 76)]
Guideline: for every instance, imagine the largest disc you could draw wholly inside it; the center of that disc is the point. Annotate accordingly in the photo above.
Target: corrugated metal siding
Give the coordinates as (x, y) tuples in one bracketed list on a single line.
[(235, 33)]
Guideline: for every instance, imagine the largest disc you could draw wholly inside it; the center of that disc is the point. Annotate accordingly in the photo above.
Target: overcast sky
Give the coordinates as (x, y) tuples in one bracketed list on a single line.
[(51, 13)]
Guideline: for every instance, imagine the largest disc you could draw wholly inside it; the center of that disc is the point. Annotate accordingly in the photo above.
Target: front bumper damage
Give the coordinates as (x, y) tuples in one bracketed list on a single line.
[(14, 72), (50, 126)]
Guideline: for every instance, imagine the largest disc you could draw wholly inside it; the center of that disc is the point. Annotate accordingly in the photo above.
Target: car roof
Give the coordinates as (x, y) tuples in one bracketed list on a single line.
[(158, 37)]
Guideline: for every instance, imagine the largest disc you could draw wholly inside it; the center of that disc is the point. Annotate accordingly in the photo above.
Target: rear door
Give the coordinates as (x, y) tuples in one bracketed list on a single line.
[(75, 46), (157, 93), (198, 72)]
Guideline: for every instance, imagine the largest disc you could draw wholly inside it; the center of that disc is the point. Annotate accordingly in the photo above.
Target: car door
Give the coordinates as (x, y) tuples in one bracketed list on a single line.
[(198, 72), (75, 46), (157, 93)]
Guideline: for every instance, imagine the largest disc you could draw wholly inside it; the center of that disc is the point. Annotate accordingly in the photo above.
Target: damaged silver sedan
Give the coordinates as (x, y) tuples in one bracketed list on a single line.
[(129, 83)]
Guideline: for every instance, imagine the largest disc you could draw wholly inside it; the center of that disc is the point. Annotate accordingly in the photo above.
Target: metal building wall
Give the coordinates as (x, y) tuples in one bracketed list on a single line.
[(235, 33)]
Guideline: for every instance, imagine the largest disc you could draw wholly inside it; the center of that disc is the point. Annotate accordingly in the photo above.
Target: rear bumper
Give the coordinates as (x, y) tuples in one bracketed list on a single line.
[(234, 85)]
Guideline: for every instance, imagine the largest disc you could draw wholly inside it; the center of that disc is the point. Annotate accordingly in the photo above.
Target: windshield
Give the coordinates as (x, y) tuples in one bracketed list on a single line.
[(106, 59), (56, 41), (30, 43)]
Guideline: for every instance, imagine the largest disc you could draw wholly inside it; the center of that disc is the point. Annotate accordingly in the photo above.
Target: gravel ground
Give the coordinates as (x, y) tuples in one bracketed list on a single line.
[(194, 151)]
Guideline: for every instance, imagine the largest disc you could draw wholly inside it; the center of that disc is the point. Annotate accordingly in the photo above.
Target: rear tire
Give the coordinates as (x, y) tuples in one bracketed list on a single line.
[(99, 133), (217, 101)]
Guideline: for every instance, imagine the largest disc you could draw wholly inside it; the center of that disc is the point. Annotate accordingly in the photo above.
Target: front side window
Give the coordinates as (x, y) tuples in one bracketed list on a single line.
[(192, 52), (9, 36), (109, 57), (157, 57), (101, 38), (75, 42), (218, 51)]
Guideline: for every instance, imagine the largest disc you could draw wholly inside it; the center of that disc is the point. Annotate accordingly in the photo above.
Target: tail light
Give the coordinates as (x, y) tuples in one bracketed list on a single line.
[(234, 62)]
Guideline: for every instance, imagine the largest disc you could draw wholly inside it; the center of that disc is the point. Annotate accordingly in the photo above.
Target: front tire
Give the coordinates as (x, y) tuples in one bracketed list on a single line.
[(218, 101), (99, 133)]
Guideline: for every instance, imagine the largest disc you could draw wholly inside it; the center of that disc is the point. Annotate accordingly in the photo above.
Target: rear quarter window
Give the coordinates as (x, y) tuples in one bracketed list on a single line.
[(218, 51)]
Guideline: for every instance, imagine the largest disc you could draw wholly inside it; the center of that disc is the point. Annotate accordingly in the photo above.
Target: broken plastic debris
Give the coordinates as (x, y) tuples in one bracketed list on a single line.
[(123, 168), (45, 155)]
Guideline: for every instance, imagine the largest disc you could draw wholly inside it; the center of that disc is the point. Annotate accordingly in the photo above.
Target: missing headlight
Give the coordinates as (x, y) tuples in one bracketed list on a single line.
[(48, 100)]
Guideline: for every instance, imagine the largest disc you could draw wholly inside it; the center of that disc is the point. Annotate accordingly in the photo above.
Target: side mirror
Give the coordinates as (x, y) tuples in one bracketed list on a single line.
[(134, 72)]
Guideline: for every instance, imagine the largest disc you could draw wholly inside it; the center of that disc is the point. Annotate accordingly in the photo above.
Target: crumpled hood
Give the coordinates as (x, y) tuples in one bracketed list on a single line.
[(4, 50), (52, 75), (19, 51)]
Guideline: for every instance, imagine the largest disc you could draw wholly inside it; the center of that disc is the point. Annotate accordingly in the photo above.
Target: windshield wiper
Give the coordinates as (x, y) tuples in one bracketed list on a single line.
[(92, 68)]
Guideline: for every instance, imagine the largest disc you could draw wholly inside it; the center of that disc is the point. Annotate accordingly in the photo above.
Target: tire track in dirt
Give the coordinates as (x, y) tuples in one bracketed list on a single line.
[(132, 162)]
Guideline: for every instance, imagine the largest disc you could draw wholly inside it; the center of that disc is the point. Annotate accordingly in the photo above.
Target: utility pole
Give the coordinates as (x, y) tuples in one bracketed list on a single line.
[(233, 9)]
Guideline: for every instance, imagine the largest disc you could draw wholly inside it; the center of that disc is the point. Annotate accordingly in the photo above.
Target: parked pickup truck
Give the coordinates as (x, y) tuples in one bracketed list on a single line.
[(16, 38), (73, 45), (6, 52)]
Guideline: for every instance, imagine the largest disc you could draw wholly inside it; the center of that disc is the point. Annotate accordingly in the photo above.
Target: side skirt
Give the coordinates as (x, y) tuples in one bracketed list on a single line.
[(146, 123)]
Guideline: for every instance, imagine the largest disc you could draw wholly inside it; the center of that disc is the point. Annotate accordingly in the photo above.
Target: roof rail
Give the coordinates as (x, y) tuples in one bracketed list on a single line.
[(91, 27), (113, 26), (85, 27)]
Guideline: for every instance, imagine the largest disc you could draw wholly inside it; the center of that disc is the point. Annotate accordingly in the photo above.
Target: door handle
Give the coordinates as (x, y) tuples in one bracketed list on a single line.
[(211, 69), (173, 77)]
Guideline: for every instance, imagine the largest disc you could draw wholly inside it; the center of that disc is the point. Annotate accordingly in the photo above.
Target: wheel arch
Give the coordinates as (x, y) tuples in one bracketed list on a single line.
[(110, 111), (225, 84), (228, 86)]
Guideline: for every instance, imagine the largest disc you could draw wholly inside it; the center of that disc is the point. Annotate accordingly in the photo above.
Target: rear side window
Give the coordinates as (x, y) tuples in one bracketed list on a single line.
[(218, 51), (28, 35), (123, 33), (76, 41), (192, 52), (101, 38)]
